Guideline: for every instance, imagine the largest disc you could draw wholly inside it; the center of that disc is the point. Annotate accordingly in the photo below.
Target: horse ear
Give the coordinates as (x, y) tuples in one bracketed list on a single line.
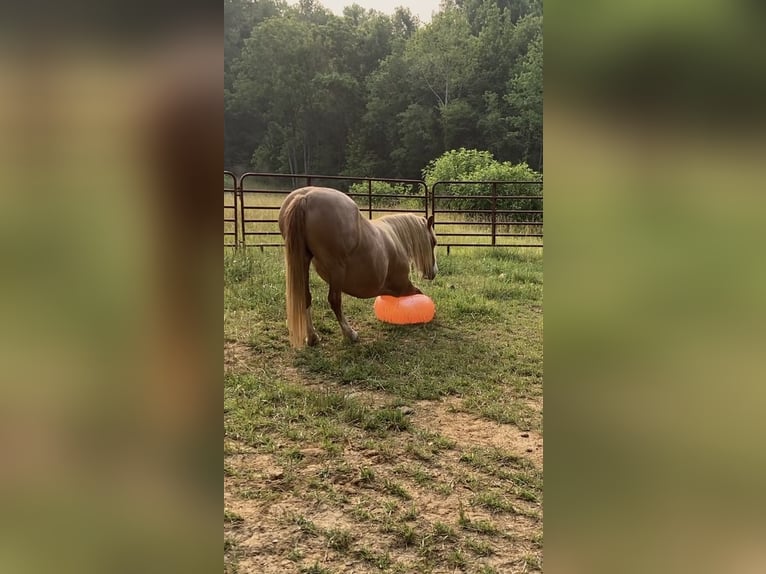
[(430, 221)]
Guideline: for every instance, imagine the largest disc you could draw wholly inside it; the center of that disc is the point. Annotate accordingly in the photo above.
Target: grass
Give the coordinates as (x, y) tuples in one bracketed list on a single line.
[(396, 489), (339, 539), (444, 532), (377, 559), (315, 569), (479, 547), (479, 526), (319, 432), (232, 518), (306, 526), (495, 502)]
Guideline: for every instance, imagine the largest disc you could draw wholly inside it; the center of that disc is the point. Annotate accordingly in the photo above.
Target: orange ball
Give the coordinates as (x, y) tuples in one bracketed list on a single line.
[(404, 310)]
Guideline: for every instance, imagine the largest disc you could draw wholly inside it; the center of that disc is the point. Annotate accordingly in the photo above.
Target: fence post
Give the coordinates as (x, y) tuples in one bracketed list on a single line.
[(494, 212), (369, 198), (236, 216), (239, 190)]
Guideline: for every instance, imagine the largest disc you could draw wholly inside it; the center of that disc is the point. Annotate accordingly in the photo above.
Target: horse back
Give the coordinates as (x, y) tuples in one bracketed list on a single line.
[(333, 222)]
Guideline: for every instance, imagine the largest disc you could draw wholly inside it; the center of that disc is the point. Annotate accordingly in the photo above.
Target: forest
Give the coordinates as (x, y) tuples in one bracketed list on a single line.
[(372, 94)]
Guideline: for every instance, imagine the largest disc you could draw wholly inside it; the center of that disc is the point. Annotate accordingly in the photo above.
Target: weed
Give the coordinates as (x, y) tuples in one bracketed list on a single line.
[(366, 475), (456, 559), (444, 532), (417, 473), (377, 559), (238, 268), (385, 420), (527, 495), (390, 507), (232, 518), (396, 489), (410, 514), (306, 526), (361, 514), (228, 544), (315, 569), (339, 539), (530, 562), (494, 502), (444, 488), (406, 535), (479, 547), (478, 526), (295, 555)]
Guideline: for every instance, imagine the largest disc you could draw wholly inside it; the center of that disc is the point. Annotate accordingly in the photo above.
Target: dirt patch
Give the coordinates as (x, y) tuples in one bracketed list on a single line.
[(288, 526), (470, 430), (237, 357), (391, 502)]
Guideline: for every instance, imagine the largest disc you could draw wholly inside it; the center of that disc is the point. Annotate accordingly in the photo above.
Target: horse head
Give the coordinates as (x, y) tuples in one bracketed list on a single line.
[(430, 271)]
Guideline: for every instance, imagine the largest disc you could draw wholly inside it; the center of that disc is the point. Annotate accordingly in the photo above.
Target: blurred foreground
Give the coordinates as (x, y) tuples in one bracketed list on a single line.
[(655, 314), (110, 396)]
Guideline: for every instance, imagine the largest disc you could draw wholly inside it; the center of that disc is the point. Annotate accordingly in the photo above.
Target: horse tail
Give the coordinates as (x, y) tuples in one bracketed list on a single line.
[(297, 262)]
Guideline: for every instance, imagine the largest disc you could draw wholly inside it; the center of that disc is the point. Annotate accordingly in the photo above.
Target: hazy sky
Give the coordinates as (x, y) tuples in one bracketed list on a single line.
[(420, 8)]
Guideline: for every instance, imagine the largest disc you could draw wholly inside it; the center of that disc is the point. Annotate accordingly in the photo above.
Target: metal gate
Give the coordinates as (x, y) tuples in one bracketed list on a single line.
[(488, 213), (230, 204), (261, 195), (466, 213)]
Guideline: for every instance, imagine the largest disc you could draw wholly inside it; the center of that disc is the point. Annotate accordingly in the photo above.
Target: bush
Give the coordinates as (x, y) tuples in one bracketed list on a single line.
[(382, 192), (475, 165), (454, 165)]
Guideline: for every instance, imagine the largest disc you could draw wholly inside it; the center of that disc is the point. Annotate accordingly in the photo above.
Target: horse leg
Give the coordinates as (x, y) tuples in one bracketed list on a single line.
[(312, 338), (334, 297)]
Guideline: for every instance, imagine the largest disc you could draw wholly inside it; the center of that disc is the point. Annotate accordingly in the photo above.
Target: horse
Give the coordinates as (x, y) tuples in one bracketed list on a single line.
[(354, 255)]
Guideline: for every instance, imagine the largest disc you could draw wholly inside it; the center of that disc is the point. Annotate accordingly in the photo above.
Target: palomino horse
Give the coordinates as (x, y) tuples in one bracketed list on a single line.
[(354, 255)]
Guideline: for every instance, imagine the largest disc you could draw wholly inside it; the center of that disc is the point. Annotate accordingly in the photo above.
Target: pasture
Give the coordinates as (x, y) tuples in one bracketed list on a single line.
[(417, 449)]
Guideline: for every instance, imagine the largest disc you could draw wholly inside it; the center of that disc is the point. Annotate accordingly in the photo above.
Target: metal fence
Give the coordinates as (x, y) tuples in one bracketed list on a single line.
[(231, 198), (466, 213), (488, 213)]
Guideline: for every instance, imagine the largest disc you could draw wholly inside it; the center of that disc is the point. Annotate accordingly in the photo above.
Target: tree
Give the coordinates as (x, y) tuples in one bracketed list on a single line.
[(273, 76), (443, 55), (241, 129), (525, 96)]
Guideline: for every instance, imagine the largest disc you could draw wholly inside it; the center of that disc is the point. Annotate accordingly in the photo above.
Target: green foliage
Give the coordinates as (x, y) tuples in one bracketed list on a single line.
[(383, 194), (525, 95), (476, 165), (456, 164), (442, 55)]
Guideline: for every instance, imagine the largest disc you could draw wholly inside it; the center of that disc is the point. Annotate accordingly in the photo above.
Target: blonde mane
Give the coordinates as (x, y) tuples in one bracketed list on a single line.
[(411, 233)]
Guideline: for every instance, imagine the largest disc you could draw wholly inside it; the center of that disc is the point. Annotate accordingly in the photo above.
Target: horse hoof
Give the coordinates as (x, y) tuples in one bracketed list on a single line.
[(312, 340), (353, 336)]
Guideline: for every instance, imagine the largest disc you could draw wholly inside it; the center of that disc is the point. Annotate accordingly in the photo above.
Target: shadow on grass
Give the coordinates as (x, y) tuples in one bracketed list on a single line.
[(420, 362)]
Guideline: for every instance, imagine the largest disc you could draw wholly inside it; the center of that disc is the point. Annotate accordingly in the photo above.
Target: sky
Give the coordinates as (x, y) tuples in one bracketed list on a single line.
[(420, 8)]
